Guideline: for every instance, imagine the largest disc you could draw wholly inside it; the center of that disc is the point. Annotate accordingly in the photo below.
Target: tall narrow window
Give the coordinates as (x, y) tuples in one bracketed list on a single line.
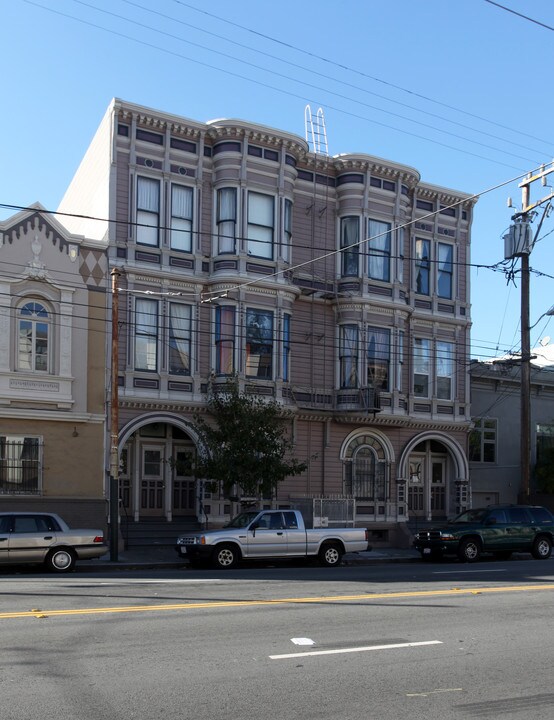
[(225, 340), (34, 325), (400, 237), (399, 360), (422, 264), (422, 365), (348, 356), (287, 231), (349, 244), (260, 225), (259, 343), (179, 339), (146, 335), (148, 211), (378, 358), (181, 218), (20, 464), (286, 347), (379, 244), (226, 220), (444, 271), (445, 370)]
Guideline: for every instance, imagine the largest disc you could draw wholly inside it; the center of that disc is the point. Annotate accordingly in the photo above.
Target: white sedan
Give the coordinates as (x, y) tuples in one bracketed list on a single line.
[(39, 537)]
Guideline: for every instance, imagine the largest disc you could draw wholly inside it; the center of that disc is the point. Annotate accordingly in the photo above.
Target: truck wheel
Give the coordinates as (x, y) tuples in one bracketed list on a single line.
[(542, 548), (469, 550), (226, 557), (330, 555)]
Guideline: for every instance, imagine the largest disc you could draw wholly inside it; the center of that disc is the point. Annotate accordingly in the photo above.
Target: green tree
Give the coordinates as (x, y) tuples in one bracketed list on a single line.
[(245, 442)]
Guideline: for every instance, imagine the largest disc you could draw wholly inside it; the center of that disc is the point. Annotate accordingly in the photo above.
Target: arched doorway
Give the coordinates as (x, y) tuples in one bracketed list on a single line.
[(155, 479), (435, 472)]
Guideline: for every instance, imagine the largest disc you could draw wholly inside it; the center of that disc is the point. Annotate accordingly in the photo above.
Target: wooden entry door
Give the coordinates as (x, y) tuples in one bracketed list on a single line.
[(152, 480), (438, 487), (416, 488)]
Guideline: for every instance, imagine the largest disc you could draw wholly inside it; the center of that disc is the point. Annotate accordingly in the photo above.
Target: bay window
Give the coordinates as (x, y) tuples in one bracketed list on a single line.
[(146, 335), (225, 340), (148, 211), (259, 343), (444, 271), (445, 370), (422, 265), (378, 358), (226, 220), (379, 250), (287, 231), (286, 347), (349, 245), (181, 218), (348, 356), (260, 225), (422, 367), (179, 338)]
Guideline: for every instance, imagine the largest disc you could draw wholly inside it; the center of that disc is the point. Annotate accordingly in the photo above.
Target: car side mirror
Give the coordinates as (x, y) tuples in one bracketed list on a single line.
[(254, 527)]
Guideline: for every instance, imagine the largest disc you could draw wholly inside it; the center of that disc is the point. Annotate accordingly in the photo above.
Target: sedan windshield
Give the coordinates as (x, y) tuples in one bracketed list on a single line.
[(242, 520), (470, 516)]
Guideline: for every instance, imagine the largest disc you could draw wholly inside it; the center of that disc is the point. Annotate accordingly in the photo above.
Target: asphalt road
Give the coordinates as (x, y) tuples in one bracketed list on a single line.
[(429, 641)]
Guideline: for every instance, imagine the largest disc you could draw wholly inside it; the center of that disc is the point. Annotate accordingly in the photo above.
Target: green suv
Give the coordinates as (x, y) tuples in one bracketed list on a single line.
[(497, 529)]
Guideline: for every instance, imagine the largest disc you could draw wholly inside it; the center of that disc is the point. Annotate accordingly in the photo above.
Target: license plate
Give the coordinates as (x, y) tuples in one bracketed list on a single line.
[(426, 551)]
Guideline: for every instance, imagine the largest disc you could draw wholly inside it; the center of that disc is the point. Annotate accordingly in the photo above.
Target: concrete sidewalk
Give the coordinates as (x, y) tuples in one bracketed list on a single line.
[(164, 557)]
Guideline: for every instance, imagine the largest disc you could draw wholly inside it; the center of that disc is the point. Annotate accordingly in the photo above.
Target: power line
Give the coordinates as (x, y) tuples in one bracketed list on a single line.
[(521, 15), (276, 89), (354, 70), (312, 72)]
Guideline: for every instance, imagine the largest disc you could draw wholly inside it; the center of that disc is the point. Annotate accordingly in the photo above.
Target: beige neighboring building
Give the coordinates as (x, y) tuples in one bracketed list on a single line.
[(52, 369), (337, 286)]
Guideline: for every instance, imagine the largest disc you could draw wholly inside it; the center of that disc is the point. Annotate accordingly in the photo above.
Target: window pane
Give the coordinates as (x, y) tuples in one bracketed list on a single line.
[(181, 218), (349, 239), (179, 339), (422, 266), (379, 245), (225, 340), (444, 271), (146, 334), (259, 343), (349, 356), (148, 211), (378, 358), (445, 370), (260, 225)]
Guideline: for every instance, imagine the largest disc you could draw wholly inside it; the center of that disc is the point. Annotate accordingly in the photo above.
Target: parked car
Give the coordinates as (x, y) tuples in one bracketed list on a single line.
[(38, 537), (256, 535), (497, 529)]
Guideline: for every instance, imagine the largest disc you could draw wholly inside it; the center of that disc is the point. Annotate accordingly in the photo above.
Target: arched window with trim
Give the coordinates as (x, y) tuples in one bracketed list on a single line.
[(33, 337), (365, 468)]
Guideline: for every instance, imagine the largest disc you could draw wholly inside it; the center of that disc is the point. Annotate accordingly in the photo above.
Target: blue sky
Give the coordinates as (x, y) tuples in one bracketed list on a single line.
[(459, 90)]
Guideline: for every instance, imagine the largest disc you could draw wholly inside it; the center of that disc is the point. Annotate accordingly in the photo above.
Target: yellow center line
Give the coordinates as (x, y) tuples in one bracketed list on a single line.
[(279, 601)]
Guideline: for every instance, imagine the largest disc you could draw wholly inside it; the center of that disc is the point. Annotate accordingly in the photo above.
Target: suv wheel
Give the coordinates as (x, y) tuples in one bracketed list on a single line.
[(469, 550), (542, 548)]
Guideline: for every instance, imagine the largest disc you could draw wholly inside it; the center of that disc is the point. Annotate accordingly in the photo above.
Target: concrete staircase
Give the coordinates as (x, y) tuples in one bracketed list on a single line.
[(156, 532)]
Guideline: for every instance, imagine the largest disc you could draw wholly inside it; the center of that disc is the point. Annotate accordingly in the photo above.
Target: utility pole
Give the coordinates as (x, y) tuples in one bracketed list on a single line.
[(114, 427), (519, 242)]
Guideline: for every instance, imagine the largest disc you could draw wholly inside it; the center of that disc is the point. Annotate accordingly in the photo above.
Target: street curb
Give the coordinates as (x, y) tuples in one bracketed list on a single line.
[(156, 565)]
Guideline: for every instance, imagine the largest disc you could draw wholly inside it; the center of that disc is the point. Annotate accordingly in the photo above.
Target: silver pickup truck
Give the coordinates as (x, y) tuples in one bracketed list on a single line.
[(256, 535)]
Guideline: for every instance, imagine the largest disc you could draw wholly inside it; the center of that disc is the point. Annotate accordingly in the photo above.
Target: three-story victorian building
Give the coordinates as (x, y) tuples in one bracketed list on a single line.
[(337, 286)]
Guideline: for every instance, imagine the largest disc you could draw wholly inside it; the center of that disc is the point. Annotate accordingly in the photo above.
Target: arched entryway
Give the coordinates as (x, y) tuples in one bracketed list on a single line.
[(155, 477), (434, 471)]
